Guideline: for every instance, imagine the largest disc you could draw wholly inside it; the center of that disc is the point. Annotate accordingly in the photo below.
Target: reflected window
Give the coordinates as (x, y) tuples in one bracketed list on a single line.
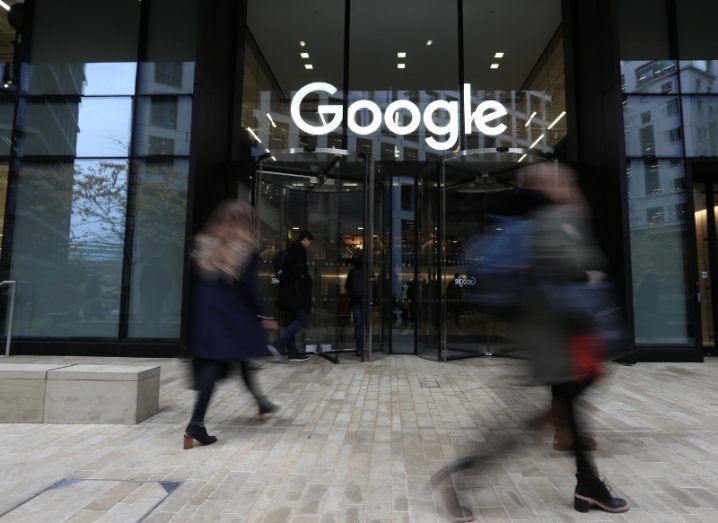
[(163, 125), (659, 138), (700, 118)]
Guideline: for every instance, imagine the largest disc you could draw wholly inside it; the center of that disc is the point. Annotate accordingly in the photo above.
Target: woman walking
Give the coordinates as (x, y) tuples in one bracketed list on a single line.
[(227, 318)]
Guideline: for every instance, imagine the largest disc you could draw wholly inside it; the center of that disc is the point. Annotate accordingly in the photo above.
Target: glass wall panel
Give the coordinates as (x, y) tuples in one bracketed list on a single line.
[(289, 45), (171, 47), (7, 113), (82, 127), (659, 235), (163, 125), (700, 119), (67, 247), (87, 47), (410, 57), (652, 126), (525, 74), (158, 250), (698, 46)]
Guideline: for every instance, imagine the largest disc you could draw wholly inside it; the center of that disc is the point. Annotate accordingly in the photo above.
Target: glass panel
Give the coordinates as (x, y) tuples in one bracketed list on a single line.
[(653, 76), (525, 74), (158, 249), (171, 42), (80, 127), (88, 48), (4, 168), (652, 126), (659, 252), (399, 65), (67, 248), (163, 125), (291, 44), (403, 247), (700, 119), (7, 113), (698, 46)]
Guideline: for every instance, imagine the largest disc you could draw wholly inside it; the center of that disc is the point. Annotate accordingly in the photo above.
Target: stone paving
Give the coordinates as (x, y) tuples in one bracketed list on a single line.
[(358, 442)]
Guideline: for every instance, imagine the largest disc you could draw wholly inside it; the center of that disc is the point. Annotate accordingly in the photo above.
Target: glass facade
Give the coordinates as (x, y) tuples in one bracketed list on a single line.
[(100, 167), (668, 77)]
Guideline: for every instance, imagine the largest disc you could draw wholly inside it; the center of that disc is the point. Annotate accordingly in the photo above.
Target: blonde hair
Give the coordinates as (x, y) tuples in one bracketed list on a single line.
[(225, 245)]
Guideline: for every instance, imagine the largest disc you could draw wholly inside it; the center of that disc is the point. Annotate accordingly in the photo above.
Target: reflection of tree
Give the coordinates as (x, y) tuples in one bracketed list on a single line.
[(160, 204), (99, 195)]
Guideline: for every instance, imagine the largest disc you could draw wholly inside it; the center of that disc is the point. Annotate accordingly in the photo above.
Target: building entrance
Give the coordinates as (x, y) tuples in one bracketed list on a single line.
[(403, 226)]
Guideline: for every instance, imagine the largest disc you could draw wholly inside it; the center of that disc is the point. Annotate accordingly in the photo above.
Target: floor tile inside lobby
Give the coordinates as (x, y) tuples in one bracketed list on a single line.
[(358, 442)]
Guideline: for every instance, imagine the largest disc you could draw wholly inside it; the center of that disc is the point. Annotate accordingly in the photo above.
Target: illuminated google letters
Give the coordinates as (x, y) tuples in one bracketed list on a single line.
[(485, 116)]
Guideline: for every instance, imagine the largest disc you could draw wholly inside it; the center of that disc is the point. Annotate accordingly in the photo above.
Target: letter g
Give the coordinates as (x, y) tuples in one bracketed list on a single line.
[(336, 110)]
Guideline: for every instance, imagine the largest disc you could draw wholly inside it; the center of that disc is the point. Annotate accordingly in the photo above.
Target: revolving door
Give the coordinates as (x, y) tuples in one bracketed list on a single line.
[(407, 224)]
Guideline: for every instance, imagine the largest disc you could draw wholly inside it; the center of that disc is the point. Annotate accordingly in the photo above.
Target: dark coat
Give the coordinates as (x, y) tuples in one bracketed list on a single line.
[(295, 284), (225, 318)]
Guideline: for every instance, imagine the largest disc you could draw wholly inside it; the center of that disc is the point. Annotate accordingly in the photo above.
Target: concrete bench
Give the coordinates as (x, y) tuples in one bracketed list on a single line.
[(80, 393), (22, 391)]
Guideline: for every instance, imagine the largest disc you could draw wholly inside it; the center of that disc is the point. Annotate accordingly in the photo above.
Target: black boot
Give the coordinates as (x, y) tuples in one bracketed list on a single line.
[(266, 408), (591, 491), (197, 432)]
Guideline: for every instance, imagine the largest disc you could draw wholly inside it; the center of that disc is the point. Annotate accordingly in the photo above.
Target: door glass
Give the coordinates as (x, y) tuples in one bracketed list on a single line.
[(705, 283), (403, 247), (293, 196), (428, 288)]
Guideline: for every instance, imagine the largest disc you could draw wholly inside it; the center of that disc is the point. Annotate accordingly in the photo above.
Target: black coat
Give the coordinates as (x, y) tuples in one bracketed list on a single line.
[(295, 284), (225, 318)]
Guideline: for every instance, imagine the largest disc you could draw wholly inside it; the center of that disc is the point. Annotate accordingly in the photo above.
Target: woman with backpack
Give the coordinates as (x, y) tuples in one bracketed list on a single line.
[(228, 321)]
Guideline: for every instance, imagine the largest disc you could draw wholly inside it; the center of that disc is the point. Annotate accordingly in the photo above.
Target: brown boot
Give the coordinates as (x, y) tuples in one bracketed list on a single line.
[(563, 441)]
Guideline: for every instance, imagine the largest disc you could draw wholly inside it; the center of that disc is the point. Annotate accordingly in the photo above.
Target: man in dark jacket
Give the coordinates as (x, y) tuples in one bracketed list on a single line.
[(295, 294), (354, 287)]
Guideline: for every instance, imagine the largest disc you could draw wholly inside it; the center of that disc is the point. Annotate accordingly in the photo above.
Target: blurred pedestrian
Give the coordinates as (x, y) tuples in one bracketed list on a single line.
[(227, 321), (354, 287), (295, 294), (557, 325)]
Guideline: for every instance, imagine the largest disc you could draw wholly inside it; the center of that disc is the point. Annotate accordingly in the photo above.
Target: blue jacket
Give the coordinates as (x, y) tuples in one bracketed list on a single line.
[(225, 318)]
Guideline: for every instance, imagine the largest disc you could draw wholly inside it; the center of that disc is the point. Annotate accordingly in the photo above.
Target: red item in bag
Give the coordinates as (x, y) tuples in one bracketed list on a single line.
[(588, 352)]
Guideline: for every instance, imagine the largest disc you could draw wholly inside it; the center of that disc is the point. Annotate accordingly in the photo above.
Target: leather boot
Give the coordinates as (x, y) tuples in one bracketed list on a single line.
[(592, 492)]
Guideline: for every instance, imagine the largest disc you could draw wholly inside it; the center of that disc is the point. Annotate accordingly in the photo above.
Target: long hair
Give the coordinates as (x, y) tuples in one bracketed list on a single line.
[(225, 245)]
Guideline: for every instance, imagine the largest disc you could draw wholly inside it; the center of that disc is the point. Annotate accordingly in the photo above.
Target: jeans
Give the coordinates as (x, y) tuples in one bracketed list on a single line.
[(358, 314), (207, 373), (297, 321), (569, 393)]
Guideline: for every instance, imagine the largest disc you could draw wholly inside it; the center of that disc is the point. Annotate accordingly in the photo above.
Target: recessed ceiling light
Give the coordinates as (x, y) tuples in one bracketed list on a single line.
[(429, 43), (308, 66), (304, 55), (499, 55), (302, 43), (401, 54), (401, 66), (494, 66)]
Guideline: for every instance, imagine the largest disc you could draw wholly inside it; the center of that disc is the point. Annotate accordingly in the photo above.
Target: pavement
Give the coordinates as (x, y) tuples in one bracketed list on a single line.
[(358, 442)]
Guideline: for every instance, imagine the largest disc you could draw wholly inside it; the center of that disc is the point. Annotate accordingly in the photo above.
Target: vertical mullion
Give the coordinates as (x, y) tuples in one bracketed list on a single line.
[(345, 87), (123, 327), (460, 36)]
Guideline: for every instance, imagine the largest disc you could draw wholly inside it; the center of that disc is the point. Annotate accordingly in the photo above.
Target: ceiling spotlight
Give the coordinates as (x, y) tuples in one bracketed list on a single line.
[(429, 43), (401, 54), (302, 43), (499, 55), (494, 66), (304, 55), (401, 66), (308, 66)]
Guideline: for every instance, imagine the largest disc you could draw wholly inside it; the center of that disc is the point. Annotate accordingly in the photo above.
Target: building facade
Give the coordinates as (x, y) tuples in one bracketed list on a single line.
[(391, 130)]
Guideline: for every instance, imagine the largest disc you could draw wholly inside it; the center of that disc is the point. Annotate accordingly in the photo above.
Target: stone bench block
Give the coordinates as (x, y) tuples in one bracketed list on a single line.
[(102, 394), (22, 391)]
